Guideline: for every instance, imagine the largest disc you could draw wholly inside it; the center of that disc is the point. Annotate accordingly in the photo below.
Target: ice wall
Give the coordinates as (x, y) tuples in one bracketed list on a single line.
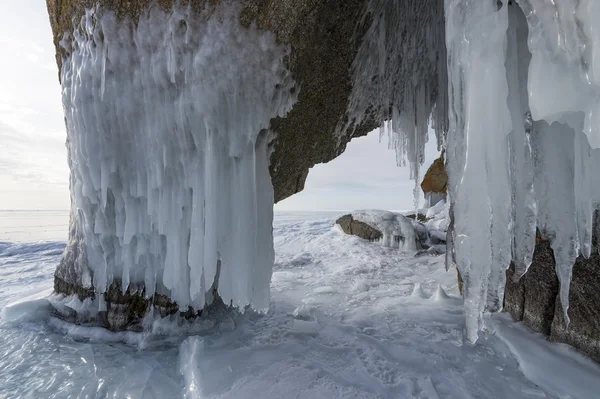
[(523, 90), (168, 143)]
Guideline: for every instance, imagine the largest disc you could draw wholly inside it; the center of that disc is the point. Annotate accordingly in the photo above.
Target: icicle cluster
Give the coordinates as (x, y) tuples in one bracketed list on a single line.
[(398, 75), (523, 88), (168, 148)]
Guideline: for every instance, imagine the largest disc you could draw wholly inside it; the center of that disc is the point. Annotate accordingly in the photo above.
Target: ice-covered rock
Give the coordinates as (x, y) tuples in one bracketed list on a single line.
[(143, 193), (349, 225), (390, 229)]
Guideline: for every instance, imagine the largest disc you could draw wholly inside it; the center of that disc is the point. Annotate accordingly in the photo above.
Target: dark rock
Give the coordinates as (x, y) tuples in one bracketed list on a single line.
[(532, 298), (541, 289), (514, 294), (358, 228), (125, 311)]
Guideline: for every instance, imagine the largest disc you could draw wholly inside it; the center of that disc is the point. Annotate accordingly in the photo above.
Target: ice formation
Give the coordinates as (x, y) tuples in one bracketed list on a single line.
[(168, 148), (397, 230), (523, 90), (402, 82)]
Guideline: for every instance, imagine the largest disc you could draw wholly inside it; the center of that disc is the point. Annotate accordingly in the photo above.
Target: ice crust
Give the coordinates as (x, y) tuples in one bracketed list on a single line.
[(168, 147), (523, 89)]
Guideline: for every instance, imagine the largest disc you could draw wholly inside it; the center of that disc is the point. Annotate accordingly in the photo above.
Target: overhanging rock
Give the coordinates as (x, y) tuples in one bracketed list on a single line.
[(346, 66)]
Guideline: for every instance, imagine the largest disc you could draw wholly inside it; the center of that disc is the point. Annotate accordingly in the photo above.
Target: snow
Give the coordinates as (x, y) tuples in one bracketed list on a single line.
[(552, 365), (168, 151), (348, 343), (436, 210), (397, 230)]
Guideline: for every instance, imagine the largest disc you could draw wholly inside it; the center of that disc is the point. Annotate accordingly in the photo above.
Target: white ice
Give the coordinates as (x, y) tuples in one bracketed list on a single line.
[(364, 336), (168, 150)]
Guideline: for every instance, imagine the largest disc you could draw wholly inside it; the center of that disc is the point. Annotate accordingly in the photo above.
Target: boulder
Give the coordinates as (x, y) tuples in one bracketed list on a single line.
[(436, 178), (392, 229), (358, 228)]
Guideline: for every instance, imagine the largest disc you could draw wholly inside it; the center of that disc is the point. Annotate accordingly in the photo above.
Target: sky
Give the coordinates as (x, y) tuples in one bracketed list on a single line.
[(33, 157)]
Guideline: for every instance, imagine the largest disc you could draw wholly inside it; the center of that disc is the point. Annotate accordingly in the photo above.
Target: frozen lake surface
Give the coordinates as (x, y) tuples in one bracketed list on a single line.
[(345, 322)]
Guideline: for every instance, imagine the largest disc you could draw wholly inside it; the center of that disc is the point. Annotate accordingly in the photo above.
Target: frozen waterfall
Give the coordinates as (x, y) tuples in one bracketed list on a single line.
[(168, 147), (524, 85)]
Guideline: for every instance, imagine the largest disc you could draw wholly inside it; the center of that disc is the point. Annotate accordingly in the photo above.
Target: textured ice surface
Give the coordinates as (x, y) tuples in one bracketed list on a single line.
[(375, 343), (397, 230), (168, 149)]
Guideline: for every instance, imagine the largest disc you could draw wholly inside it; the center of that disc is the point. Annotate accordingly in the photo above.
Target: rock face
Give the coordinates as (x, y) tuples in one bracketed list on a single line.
[(358, 228), (534, 299), (324, 38)]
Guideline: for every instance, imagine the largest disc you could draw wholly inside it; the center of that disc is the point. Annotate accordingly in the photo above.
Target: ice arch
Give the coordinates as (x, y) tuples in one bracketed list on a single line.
[(515, 85), (177, 112)]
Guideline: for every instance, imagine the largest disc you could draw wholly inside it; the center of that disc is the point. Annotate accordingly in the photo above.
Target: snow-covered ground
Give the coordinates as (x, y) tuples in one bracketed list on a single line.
[(343, 323)]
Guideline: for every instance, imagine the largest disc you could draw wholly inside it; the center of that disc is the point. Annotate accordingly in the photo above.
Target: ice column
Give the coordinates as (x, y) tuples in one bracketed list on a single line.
[(168, 140), (478, 151)]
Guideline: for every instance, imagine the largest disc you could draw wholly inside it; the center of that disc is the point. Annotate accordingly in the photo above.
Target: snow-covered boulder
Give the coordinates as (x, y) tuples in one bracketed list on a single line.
[(390, 229), (360, 229)]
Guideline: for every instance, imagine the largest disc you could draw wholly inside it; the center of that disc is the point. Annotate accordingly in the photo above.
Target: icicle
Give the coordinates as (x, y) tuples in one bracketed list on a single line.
[(476, 37), (167, 123), (397, 74), (524, 207)]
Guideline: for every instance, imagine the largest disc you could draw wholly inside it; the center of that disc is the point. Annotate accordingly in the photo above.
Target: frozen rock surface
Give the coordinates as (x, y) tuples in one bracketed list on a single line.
[(390, 229), (358, 228)]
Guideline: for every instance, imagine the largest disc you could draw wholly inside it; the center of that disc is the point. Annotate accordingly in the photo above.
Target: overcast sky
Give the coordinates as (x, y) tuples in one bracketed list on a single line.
[(33, 157)]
